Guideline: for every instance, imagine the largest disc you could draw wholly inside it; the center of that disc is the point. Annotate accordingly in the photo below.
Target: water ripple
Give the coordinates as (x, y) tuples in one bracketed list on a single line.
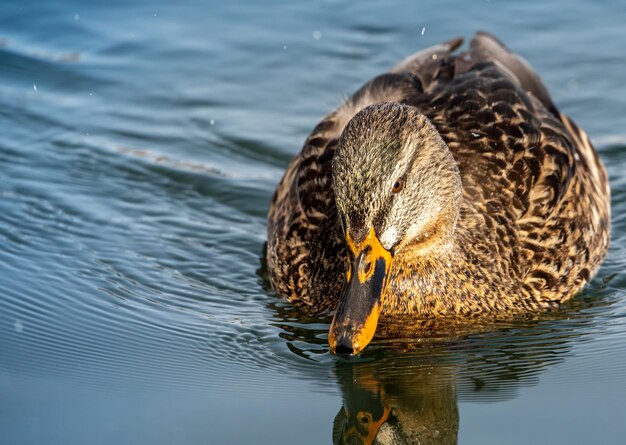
[(136, 166)]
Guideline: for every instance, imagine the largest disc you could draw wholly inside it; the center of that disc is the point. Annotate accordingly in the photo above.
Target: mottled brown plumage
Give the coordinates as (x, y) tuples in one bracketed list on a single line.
[(505, 206)]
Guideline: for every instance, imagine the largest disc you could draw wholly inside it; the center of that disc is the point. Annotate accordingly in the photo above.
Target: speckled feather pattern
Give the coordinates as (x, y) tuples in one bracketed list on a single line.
[(534, 216)]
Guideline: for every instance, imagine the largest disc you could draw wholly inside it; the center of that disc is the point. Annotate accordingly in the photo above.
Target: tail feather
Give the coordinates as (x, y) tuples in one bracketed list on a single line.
[(485, 47), (428, 64), (425, 64)]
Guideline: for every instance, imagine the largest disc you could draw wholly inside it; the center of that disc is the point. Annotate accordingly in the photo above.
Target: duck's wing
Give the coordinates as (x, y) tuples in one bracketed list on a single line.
[(493, 109), (428, 64), (484, 47), (529, 174)]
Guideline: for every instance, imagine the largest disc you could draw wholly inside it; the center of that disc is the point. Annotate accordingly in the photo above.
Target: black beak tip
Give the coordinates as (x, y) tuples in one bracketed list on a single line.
[(344, 347)]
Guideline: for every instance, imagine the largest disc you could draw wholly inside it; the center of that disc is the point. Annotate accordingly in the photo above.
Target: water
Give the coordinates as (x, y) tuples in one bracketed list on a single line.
[(140, 144)]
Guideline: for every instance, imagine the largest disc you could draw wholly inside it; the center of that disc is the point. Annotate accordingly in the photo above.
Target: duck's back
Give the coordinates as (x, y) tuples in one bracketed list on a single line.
[(535, 195)]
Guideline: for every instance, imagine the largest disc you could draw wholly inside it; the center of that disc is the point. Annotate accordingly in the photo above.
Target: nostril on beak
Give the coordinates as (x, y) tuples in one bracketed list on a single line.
[(368, 267)]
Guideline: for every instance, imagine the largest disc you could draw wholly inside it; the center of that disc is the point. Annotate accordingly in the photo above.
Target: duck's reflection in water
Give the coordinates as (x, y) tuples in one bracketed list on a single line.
[(382, 407), (407, 393), (404, 389)]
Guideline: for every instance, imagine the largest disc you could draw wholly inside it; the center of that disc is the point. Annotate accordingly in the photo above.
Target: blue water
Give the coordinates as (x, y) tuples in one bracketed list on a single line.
[(140, 143)]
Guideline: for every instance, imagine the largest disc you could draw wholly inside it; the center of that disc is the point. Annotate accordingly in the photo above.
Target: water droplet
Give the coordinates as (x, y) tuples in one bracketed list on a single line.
[(34, 87), (434, 56), (76, 17), (317, 35), (284, 46), (423, 30), (212, 122)]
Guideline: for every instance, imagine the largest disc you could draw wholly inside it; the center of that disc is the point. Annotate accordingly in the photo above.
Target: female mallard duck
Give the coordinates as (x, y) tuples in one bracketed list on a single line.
[(449, 187)]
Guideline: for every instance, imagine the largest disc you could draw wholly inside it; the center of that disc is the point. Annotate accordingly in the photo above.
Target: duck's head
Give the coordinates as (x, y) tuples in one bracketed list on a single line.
[(398, 190)]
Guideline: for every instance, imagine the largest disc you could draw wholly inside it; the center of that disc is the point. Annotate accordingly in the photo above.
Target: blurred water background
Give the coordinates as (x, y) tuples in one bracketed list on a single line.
[(140, 143)]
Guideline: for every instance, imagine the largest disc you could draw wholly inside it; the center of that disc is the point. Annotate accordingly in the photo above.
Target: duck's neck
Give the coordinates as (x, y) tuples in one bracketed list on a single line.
[(458, 278)]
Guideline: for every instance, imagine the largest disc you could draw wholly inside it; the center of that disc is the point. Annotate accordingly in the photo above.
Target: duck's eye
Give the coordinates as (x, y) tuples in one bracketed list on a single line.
[(398, 185)]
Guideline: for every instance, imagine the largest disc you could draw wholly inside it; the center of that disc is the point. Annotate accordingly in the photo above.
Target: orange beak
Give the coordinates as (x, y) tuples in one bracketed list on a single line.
[(357, 313)]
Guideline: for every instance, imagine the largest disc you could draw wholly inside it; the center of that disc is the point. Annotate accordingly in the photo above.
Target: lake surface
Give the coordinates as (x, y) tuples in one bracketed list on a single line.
[(140, 143)]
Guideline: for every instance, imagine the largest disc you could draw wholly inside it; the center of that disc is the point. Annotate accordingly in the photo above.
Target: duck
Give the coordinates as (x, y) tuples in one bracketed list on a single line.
[(450, 187)]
